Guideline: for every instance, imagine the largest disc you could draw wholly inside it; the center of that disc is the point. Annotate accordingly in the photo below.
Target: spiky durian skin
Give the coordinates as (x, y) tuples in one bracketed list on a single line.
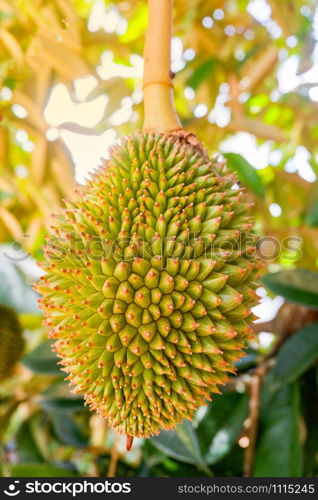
[(149, 284), (11, 341)]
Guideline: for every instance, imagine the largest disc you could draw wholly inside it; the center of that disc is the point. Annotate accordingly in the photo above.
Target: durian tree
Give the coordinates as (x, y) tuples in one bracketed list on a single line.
[(151, 268)]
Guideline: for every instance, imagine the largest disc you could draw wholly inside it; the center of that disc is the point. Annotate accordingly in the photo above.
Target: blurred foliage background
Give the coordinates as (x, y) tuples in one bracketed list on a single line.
[(247, 84)]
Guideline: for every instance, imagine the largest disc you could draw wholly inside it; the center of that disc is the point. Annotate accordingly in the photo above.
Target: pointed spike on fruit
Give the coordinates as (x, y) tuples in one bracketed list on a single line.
[(129, 442)]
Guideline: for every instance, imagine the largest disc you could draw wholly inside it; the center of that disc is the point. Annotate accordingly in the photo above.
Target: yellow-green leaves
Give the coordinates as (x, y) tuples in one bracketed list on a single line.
[(246, 173)]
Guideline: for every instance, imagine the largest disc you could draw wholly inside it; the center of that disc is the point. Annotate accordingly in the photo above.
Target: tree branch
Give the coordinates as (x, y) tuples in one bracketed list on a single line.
[(255, 388)]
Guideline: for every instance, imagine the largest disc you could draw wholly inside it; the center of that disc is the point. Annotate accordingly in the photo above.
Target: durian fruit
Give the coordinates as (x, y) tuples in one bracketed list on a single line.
[(150, 274), (149, 283), (11, 341)]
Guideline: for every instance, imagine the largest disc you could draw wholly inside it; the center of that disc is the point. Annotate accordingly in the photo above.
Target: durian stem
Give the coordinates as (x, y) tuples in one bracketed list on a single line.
[(160, 113)]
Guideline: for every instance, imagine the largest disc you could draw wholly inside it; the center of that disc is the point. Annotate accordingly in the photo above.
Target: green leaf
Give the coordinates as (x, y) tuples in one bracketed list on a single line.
[(296, 285), (201, 73), (67, 430), (297, 355), (224, 420), (172, 468), (42, 360), (28, 450), (279, 451), (309, 396), (181, 444), (311, 217), (40, 470), (246, 173), (63, 405), (14, 291), (215, 415)]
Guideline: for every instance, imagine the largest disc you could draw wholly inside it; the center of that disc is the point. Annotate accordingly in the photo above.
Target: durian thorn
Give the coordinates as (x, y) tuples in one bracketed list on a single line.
[(129, 442), (160, 113)]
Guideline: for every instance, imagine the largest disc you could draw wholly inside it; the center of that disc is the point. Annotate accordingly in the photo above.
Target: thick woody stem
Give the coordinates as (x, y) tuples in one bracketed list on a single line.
[(160, 113)]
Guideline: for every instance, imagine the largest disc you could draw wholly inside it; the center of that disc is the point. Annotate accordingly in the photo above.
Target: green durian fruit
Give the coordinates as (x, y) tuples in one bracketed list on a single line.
[(149, 284), (11, 341)]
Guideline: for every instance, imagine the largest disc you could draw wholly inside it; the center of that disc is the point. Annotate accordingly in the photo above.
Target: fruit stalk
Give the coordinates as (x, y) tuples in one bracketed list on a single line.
[(160, 113)]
